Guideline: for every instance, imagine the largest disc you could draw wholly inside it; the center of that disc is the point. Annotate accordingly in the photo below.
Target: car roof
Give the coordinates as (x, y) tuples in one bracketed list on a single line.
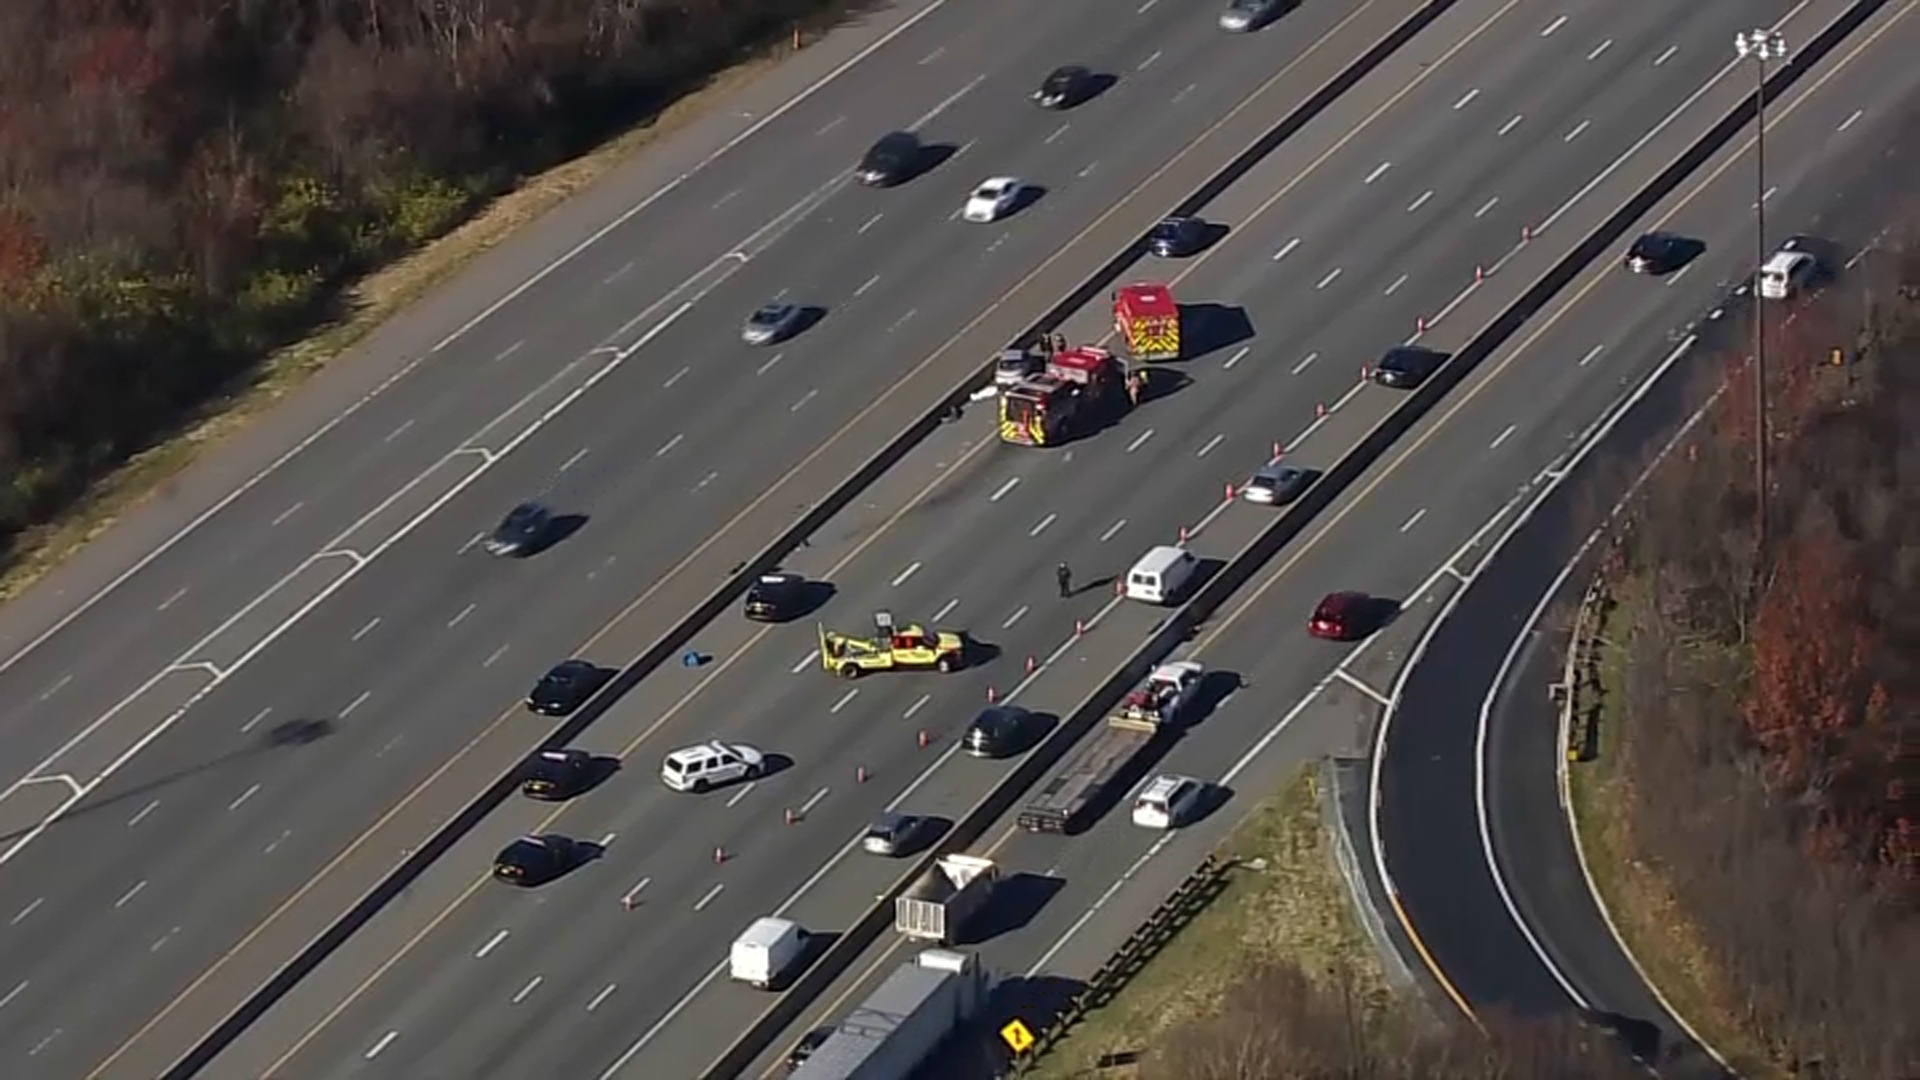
[(893, 139), (1274, 470), (1782, 261), (559, 755), (1339, 601), (996, 713), (1163, 786), (1408, 355), (779, 578), (526, 508)]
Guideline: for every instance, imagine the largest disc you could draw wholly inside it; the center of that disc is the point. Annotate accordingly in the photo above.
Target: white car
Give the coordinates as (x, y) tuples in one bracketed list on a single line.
[(711, 764), (1168, 802), (1786, 272), (993, 199)]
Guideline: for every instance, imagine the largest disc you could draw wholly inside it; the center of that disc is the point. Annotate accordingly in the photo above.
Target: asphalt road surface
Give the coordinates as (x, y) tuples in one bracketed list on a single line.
[(615, 389), (1499, 900), (443, 1014)]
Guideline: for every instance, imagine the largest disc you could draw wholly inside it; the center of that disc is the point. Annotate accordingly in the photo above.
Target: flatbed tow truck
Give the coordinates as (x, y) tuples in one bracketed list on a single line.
[(1156, 707)]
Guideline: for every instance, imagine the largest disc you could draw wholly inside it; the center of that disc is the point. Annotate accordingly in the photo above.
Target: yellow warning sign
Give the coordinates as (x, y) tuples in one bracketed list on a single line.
[(1017, 1037)]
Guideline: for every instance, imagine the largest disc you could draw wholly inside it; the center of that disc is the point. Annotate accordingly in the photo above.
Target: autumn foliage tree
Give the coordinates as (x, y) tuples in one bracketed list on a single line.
[(185, 184)]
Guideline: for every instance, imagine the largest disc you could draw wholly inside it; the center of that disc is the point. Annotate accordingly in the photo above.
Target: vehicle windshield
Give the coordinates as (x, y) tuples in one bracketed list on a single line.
[(1166, 230), (770, 313), (1248, 5)]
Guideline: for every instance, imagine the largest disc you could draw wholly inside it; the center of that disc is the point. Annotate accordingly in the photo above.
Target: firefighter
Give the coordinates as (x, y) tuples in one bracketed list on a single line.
[(1059, 343), (1064, 575)]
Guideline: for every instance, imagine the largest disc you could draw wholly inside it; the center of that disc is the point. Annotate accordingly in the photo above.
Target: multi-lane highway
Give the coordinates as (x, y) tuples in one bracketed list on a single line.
[(1499, 900), (342, 589), (916, 545)]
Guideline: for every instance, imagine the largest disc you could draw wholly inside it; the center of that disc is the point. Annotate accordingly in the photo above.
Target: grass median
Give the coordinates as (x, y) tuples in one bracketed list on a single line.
[(1284, 898)]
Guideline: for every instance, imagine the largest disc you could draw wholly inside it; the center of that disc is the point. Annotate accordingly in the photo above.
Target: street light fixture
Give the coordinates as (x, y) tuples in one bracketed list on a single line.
[(1759, 46)]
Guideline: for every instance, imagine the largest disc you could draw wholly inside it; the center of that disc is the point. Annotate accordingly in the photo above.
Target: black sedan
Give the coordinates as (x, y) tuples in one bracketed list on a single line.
[(1659, 253), (521, 531), (531, 860), (890, 161), (554, 775), (999, 730), (1406, 366), (1177, 237), (565, 688), (776, 597), (1064, 87)]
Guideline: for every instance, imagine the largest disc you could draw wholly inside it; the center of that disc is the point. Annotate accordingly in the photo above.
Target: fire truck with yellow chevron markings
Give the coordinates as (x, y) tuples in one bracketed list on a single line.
[(1148, 321), (1081, 390)]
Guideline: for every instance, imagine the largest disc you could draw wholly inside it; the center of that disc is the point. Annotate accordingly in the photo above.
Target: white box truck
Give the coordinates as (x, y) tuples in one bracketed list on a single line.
[(766, 952), (892, 1032)]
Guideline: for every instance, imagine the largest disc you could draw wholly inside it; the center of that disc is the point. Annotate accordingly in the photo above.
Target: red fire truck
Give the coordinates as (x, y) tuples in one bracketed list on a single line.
[(1148, 320), (1081, 389)]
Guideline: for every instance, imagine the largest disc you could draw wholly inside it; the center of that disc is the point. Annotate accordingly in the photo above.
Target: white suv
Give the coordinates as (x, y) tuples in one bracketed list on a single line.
[(1167, 802), (1786, 272), (710, 764)]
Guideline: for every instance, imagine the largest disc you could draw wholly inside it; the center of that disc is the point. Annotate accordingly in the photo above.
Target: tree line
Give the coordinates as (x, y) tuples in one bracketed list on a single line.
[(1770, 724), (187, 184)]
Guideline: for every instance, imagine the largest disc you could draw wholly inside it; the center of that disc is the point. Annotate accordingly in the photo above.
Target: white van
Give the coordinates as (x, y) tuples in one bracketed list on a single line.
[(1161, 575), (766, 952)]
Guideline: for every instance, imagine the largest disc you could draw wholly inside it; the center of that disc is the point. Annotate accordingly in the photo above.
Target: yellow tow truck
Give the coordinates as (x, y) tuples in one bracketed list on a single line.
[(891, 647)]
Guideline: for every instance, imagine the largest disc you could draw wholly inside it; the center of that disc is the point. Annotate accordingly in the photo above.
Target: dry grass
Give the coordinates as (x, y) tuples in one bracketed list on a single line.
[(372, 301), (1659, 932), (1285, 899)]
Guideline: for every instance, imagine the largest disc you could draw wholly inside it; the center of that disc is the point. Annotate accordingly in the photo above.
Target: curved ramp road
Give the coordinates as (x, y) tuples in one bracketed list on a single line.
[(1471, 757), (977, 549), (320, 702)]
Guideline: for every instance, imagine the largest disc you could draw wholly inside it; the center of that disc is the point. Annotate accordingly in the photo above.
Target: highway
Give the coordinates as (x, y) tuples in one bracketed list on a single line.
[(443, 1012), (1499, 900), (396, 655)]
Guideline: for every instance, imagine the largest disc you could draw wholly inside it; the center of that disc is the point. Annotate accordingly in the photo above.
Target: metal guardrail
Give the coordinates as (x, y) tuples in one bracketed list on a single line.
[(1578, 691)]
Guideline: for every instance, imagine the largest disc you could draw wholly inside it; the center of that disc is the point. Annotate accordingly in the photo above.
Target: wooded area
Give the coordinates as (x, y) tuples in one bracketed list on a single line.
[(1768, 730), (187, 184), (1275, 1023)]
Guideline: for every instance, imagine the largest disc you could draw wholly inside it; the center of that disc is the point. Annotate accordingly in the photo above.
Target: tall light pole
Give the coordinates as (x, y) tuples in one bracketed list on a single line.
[(1759, 46)]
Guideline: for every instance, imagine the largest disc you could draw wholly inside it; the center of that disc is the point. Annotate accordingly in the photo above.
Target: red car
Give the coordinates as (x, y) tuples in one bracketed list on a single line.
[(1340, 617)]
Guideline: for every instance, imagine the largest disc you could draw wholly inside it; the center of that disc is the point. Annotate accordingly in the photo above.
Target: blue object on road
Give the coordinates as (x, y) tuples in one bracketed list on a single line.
[(691, 659)]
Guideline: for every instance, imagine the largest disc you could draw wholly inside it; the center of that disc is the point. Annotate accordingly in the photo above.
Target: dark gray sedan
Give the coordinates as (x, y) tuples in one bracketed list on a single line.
[(1242, 16), (772, 323), (1276, 484), (521, 531)]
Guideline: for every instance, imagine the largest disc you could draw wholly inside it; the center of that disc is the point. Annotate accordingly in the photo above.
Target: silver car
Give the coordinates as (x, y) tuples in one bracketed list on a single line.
[(1276, 484), (893, 834), (1244, 15), (773, 322)]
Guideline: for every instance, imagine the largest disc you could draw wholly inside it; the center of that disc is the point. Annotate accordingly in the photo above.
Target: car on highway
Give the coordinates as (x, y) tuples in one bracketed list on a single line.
[(1340, 616), (565, 687), (531, 860), (710, 764), (1406, 366), (1659, 253), (993, 199), (1787, 271), (1167, 802), (771, 323), (1064, 87), (1276, 484), (889, 161), (554, 775), (1177, 237), (1242, 16), (894, 833), (521, 531), (811, 1041), (998, 731), (776, 597)]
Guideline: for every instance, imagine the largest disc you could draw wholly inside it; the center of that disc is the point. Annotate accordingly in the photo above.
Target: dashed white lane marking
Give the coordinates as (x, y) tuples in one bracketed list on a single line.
[(1144, 8), (1486, 207), (812, 801), (708, 899), (768, 366), (1112, 529), (367, 629), (667, 447), (871, 222), (1591, 354), (277, 841), (1554, 25), (397, 432), (1041, 526), (742, 793), (831, 124), (56, 687), (599, 998), (916, 706), (901, 578), (574, 460), (1184, 91), (44, 1043), (867, 284), (1395, 287), (1502, 437), (718, 203), (142, 815), (1577, 130), (805, 662), (1139, 440), (1665, 56), (381, 1044), (509, 350), (1378, 171), (1600, 48), (172, 600), (357, 702), (288, 512), (497, 654), (25, 911), (492, 944), (130, 894), (14, 993), (1329, 279), (1419, 202), (1148, 62), (1305, 364), (1211, 444), (624, 270), (1237, 357), (802, 403), (1765, 196), (1851, 120), (1057, 132), (1510, 125), (1467, 97), (532, 985), (257, 717), (1414, 520), (244, 796), (1012, 482), (675, 377), (1286, 248), (844, 699), (945, 608), (1014, 618), (462, 617)]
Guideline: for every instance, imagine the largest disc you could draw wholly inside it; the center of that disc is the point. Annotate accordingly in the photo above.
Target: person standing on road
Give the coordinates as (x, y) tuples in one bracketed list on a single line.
[(1064, 575)]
